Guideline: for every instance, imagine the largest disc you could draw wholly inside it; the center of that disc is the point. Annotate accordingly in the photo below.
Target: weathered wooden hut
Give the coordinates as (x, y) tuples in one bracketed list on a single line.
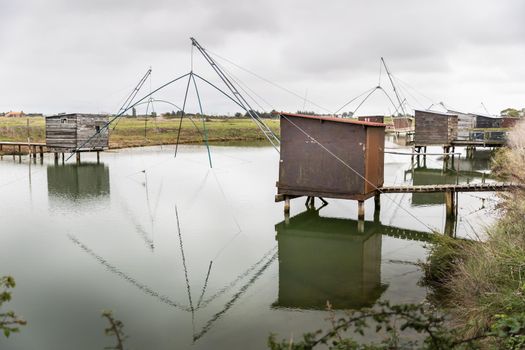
[(466, 122), (371, 118), (75, 131), (435, 128), (403, 123), (330, 157), (487, 122)]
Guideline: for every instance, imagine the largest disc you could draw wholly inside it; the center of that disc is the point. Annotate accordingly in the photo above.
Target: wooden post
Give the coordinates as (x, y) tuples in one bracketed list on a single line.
[(377, 209), (41, 152), (286, 204), (449, 202), (361, 226), (449, 226), (62, 157), (98, 157), (78, 157), (360, 210), (377, 201)]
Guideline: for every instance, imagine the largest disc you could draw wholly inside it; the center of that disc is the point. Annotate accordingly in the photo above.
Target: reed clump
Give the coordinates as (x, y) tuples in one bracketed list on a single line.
[(484, 282)]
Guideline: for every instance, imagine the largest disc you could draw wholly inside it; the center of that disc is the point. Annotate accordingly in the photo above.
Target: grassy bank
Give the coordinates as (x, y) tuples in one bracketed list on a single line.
[(139, 132), (483, 283)]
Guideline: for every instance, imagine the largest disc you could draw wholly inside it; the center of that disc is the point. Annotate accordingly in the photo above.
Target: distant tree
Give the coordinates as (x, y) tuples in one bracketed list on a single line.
[(238, 115), (133, 112), (511, 112)]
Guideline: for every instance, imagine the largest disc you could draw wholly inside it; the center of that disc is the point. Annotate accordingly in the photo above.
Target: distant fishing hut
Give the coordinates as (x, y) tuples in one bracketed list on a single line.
[(372, 118), (76, 132), (330, 157), (487, 122), (403, 124), (435, 128)]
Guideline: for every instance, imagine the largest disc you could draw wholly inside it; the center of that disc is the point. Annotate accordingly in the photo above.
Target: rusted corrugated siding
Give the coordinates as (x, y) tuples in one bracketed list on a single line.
[(434, 128)]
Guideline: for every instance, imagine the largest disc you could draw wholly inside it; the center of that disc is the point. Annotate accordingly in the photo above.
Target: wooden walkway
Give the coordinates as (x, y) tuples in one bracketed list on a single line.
[(473, 187), (33, 148)]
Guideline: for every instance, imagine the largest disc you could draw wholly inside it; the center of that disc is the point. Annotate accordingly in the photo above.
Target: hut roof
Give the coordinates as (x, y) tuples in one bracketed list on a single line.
[(437, 112), (334, 119)]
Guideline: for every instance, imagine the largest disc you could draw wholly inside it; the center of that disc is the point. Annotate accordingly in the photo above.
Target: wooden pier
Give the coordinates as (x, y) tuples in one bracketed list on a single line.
[(33, 148), (450, 191)]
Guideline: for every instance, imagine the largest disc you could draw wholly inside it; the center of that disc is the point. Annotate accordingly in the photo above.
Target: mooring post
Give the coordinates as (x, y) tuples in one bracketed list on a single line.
[(377, 202), (360, 210), (286, 205), (449, 202), (449, 226), (377, 209)]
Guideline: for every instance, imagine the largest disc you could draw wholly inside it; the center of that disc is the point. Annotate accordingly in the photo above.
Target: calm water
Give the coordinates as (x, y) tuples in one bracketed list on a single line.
[(189, 257)]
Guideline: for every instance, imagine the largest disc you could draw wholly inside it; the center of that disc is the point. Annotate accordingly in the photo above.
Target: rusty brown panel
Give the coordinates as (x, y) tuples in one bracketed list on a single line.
[(509, 122), (305, 166), (433, 128), (374, 159)]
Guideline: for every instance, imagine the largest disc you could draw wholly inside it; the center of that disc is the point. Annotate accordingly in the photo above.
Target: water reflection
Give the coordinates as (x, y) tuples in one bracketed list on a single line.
[(326, 259), (77, 182), (453, 171)]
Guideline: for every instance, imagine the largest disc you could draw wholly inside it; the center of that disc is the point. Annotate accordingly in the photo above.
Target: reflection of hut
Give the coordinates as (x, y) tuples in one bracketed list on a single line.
[(325, 259), (76, 182), (371, 118), (435, 128), (68, 132), (330, 157)]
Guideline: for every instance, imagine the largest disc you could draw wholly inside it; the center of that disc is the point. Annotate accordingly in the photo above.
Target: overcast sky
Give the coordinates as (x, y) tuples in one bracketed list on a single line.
[(85, 56)]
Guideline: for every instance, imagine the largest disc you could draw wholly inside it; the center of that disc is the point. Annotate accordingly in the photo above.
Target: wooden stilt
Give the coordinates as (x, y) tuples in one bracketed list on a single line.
[(450, 203), (360, 210), (78, 157), (98, 157), (286, 204)]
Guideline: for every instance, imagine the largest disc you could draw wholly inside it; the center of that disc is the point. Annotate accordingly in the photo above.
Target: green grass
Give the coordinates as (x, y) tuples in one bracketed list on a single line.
[(130, 132)]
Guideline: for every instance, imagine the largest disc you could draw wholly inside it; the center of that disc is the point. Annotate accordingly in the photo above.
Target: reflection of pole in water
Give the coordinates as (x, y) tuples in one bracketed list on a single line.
[(183, 259), (144, 288), (234, 299)]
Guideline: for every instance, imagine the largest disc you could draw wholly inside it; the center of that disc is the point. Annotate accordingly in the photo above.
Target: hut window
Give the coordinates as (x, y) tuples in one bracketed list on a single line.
[(97, 128), (63, 120)]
